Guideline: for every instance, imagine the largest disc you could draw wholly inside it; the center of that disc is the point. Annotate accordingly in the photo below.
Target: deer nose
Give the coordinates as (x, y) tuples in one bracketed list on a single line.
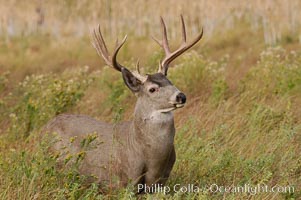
[(181, 98)]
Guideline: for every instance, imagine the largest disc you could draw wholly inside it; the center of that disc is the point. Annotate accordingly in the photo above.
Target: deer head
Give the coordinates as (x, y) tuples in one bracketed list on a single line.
[(155, 90)]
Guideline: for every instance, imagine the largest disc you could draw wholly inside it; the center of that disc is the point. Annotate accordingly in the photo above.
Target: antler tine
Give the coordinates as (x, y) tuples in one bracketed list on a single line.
[(183, 30), (165, 44), (101, 48), (102, 40), (137, 73), (114, 57), (170, 56), (137, 66)]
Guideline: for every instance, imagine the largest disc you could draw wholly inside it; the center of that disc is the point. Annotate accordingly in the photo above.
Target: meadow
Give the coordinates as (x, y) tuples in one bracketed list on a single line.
[(241, 124)]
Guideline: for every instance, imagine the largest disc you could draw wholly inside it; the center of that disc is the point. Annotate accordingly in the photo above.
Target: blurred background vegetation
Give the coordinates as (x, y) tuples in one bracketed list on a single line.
[(241, 124)]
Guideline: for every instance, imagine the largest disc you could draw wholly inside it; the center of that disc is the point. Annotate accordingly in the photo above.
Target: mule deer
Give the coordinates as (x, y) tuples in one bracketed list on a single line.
[(140, 151)]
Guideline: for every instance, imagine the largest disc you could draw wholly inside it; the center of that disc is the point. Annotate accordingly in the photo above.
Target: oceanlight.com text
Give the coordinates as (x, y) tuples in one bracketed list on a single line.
[(215, 188)]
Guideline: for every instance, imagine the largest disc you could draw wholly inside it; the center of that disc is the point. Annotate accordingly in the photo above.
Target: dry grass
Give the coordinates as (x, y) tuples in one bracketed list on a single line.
[(278, 19)]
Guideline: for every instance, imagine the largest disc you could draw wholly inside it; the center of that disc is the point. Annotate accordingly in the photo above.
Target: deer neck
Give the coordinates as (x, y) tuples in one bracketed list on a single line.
[(153, 128)]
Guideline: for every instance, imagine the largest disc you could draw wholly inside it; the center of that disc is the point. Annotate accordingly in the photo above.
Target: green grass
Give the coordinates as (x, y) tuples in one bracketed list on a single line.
[(241, 125)]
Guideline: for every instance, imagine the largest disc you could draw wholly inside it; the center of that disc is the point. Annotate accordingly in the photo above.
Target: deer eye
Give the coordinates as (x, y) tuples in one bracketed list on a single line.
[(152, 90)]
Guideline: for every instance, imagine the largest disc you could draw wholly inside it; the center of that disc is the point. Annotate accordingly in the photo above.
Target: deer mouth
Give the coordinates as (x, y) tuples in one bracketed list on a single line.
[(174, 107), (179, 105)]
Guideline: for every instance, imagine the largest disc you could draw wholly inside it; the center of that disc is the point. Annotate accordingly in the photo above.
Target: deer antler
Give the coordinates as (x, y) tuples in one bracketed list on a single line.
[(170, 56), (101, 48)]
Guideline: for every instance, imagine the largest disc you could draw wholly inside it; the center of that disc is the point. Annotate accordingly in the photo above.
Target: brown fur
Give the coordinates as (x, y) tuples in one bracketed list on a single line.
[(139, 151)]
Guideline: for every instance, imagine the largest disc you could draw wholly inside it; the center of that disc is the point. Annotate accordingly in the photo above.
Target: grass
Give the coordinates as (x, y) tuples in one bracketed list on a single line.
[(241, 124)]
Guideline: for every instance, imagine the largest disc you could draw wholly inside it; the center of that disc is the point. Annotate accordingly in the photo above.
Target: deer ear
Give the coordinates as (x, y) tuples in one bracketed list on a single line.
[(130, 80)]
